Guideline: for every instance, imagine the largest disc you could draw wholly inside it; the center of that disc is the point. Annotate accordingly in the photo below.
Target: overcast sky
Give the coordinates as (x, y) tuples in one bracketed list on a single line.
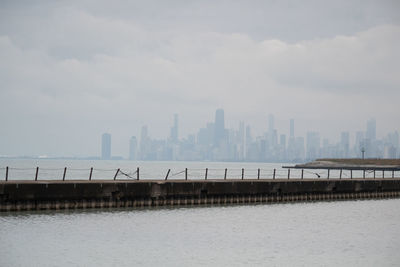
[(71, 70)]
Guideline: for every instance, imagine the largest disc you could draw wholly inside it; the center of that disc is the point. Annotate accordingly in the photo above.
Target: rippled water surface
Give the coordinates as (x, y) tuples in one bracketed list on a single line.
[(346, 233)]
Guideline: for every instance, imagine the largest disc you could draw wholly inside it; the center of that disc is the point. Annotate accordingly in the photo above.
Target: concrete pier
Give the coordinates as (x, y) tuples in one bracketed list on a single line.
[(79, 194)]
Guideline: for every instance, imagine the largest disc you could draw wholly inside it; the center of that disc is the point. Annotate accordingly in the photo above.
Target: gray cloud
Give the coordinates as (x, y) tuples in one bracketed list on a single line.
[(72, 71)]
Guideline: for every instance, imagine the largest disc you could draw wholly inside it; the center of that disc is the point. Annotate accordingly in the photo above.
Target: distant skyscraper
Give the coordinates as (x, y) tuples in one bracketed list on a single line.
[(313, 145), (371, 146), (132, 148), (174, 130), (371, 130), (360, 136), (106, 146), (219, 127), (282, 140), (241, 138), (248, 139), (292, 143), (291, 128)]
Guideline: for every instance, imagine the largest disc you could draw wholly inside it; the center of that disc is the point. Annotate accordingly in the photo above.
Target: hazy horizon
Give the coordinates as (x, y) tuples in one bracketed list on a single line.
[(72, 70)]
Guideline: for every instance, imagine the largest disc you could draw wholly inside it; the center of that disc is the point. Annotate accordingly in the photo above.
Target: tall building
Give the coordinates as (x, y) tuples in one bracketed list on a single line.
[(313, 145), (144, 143), (133, 148), (219, 127), (371, 130), (174, 130), (291, 128), (282, 140), (291, 150), (106, 146), (241, 139), (371, 149), (249, 140)]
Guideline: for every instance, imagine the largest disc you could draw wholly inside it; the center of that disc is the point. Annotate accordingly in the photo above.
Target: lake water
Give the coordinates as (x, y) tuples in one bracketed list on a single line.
[(342, 233), (346, 233)]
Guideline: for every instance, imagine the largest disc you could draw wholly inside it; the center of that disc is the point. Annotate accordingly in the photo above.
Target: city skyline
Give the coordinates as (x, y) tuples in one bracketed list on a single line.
[(214, 142)]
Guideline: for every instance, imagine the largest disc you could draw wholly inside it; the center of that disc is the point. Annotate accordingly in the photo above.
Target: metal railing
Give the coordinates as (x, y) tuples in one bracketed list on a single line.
[(203, 174)]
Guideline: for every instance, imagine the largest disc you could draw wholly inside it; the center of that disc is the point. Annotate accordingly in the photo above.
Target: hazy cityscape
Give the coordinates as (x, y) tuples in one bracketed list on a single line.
[(215, 142), (199, 133)]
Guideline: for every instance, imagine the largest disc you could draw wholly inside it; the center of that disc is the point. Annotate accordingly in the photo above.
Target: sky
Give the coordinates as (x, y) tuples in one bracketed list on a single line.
[(72, 70)]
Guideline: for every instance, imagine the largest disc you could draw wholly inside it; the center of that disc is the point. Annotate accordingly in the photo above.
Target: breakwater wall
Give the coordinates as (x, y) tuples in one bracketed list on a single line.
[(76, 194)]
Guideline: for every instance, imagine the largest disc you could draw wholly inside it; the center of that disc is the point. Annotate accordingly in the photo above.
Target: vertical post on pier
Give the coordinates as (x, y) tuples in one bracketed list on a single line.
[(374, 174), (65, 172), (137, 173), (392, 174), (302, 173), (288, 173), (6, 173), (340, 176), (383, 174), (166, 177), (364, 173), (186, 174), (258, 174), (351, 174), (242, 173), (115, 176), (226, 171), (273, 177), (36, 174), (205, 176), (328, 173), (91, 172)]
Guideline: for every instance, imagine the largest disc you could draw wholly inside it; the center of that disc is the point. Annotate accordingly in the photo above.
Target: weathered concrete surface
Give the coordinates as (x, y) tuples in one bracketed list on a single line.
[(28, 195)]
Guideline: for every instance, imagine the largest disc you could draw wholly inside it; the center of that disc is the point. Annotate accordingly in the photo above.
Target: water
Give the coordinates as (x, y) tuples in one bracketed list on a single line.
[(348, 233), (343, 233)]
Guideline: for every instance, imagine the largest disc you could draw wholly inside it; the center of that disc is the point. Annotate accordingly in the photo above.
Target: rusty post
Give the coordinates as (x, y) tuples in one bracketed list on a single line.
[(205, 177), (91, 172), (186, 173), (65, 172), (242, 173), (166, 177), (226, 171), (258, 174), (36, 174), (115, 176), (137, 173), (273, 177)]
